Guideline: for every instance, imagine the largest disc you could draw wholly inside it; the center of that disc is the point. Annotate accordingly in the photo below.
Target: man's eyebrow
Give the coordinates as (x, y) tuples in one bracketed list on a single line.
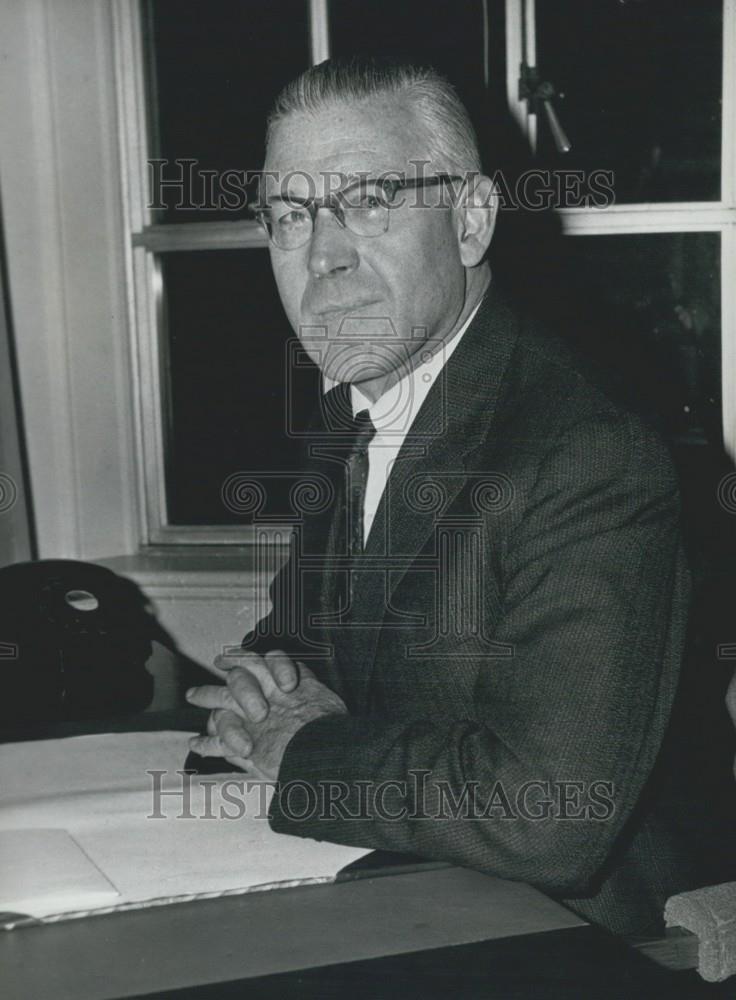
[(289, 199), (352, 181), (380, 177)]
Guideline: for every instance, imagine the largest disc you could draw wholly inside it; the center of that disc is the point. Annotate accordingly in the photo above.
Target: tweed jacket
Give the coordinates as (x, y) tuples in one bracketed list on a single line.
[(510, 648)]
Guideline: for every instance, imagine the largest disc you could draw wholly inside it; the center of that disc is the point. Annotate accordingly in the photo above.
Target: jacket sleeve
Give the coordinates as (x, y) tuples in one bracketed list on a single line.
[(539, 783)]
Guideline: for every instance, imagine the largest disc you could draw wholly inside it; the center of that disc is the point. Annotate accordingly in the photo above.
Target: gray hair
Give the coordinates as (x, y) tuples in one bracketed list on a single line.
[(452, 144)]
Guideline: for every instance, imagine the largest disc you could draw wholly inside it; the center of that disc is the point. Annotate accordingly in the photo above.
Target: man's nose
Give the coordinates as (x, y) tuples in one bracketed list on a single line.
[(331, 250)]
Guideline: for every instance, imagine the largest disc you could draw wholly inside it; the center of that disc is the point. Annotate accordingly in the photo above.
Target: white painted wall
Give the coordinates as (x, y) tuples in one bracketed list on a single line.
[(60, 179)]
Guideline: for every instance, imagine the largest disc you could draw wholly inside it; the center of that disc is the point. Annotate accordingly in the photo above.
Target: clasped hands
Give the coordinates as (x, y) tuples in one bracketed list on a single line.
[(263, 703)]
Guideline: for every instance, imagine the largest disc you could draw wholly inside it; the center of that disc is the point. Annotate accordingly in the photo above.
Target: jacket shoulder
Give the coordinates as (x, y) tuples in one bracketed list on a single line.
[(553, 394)]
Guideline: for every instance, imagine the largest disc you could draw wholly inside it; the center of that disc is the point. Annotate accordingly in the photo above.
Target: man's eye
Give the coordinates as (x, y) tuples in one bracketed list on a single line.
[(292, 218), (369, 202)]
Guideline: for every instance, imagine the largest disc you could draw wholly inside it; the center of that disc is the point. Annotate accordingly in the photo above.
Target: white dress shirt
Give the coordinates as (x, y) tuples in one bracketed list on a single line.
[(392, 415)]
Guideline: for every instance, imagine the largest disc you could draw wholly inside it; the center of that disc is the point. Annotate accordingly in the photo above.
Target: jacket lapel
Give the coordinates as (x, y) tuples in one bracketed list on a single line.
[(431, 469)]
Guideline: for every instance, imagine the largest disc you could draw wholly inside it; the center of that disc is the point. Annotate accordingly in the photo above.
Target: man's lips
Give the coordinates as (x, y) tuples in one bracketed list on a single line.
[(329, 310)]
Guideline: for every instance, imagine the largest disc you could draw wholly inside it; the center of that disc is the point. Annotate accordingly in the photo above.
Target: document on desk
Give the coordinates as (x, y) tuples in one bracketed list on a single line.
[(130, 829)]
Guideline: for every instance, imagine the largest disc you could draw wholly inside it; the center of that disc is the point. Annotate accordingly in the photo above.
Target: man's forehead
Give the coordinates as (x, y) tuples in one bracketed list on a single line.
[(348, 139)]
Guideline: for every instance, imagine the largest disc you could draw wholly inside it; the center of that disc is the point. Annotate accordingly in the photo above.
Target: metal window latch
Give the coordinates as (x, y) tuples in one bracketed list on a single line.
[(541, 92)]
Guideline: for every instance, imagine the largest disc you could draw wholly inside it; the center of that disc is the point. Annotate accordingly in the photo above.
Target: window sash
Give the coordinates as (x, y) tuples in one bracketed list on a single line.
[(145, 241)]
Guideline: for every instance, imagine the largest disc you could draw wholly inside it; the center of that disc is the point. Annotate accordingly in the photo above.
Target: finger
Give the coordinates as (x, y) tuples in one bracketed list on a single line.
[(233, 737), (223, 663), (206, 746), (248, 694), (236, 657), (240, 762), (212, 696), (285, 672), (212, 719), (259, 668), (216, 668), (305, 672)]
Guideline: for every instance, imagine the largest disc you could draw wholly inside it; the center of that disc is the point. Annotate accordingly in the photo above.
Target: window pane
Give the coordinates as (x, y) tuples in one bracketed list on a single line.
[(447, 36), (642, 85), (215, 68), (227, 340), (655, 307)]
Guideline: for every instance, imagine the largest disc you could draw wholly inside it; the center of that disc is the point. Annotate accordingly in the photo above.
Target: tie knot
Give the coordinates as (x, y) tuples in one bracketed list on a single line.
[(356, 430)]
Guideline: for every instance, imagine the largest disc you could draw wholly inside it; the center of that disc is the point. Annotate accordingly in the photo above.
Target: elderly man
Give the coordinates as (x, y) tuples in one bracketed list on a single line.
[(492, 607)]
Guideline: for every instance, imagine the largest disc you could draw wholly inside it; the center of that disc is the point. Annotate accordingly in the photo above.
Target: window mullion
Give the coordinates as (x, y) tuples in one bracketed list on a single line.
[(131, 113), (647, 218), (728, 338), (728, 237), (241, 235), (319, 31), (728, 112), (530, 59), (514, 58)]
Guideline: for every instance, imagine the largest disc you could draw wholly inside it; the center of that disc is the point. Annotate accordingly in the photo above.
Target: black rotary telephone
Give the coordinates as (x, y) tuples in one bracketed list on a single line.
[(74, 641)]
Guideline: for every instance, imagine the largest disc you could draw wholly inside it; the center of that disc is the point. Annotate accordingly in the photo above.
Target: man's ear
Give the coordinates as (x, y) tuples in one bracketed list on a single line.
[(476, 220)]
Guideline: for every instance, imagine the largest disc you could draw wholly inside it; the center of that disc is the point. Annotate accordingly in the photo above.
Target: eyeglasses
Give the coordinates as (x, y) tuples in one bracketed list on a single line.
[(363, 208)]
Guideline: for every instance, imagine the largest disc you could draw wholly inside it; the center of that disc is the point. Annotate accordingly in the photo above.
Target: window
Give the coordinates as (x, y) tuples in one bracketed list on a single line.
[(646, 89), (642, 85), (643, 90)]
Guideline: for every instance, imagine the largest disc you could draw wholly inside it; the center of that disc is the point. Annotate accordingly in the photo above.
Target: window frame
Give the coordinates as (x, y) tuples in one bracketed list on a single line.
[(656, 217), (144, 241)]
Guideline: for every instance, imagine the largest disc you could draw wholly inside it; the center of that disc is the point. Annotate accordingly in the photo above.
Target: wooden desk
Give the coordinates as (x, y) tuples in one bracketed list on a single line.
[(440, 933)]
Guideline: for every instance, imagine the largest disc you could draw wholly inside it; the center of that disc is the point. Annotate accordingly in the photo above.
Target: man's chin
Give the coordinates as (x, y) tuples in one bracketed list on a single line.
[(354, 370), (354, 361), (369, 324)]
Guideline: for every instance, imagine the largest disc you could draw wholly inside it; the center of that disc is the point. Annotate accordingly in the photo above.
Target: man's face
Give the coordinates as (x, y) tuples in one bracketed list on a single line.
[(361, 305)]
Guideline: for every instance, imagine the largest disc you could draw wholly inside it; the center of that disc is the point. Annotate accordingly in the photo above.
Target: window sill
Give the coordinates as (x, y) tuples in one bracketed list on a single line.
[(209, 567), (206, 598)]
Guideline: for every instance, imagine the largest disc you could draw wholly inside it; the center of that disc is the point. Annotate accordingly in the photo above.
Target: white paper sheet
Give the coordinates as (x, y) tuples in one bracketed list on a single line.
[(43, 869), (99, 789)]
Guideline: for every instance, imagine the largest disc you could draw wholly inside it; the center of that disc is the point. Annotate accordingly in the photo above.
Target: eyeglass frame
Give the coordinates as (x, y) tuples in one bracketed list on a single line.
[(332, 202)]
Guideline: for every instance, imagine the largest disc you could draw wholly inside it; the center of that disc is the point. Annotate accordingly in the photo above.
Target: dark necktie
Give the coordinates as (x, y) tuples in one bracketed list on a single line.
[(357, 479), (353, 436)]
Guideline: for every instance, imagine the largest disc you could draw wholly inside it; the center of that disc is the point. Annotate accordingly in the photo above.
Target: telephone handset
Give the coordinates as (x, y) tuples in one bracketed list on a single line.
[(74, 641)]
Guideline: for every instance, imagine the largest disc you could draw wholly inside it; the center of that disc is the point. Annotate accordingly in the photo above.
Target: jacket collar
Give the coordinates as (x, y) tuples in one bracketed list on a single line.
[(432, 467), (457, 414)]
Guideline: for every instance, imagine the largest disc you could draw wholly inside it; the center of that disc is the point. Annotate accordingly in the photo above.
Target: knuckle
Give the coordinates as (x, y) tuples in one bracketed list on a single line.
[(207, 746), (239, 684), (230, 720), (282, 667), (257, 708), (249, 660), (247, 693), (219, 698), (275, 654)]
